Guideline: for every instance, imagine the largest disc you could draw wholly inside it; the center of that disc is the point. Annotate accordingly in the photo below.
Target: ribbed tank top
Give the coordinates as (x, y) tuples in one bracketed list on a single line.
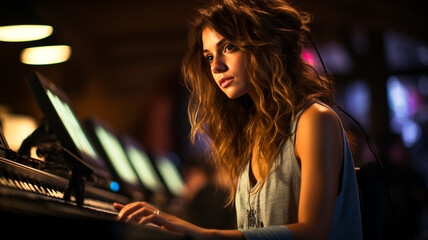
[(277, 202)]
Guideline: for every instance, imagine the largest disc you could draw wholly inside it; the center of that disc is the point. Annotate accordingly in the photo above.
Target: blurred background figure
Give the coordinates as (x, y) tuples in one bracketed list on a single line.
[(206, 197)]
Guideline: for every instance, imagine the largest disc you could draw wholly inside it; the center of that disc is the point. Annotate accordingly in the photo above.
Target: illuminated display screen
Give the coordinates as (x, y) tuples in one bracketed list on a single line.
[(144, 169), (72, 125), (170, 175), (116, 155)]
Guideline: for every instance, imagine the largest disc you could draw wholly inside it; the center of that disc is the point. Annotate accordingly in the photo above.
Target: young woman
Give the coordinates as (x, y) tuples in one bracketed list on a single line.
[(266, 114)]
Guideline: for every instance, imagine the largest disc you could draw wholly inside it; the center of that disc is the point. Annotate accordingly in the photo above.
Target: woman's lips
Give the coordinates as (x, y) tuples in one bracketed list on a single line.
[(224, 82)]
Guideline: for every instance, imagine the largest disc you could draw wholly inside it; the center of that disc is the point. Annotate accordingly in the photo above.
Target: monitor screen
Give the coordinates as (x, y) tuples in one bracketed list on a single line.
[(116, 155), (110, 148), (64, 123), (143, 166), (170, 175), (72, 125)]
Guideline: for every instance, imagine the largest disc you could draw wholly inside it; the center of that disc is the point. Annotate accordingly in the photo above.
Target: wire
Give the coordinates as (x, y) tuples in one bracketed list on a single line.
[(360, 126), (83, 166), (319, 56), (376, 156)]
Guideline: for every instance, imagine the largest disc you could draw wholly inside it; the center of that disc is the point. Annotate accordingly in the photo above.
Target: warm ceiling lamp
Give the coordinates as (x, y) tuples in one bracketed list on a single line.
[(46, 55), (24, 32), (19, 22)]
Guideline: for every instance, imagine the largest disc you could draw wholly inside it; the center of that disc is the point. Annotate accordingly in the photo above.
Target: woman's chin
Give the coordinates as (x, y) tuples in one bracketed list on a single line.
[(233, 94)]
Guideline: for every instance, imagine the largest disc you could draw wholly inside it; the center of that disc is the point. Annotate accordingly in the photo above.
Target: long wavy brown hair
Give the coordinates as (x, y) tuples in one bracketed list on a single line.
[(271, 35)]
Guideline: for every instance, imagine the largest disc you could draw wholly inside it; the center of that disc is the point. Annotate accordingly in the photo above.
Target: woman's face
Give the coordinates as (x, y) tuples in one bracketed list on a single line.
[(227, 65)]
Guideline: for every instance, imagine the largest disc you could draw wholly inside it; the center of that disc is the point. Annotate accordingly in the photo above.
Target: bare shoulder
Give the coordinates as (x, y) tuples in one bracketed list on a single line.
[(318, 127), (319, 116)]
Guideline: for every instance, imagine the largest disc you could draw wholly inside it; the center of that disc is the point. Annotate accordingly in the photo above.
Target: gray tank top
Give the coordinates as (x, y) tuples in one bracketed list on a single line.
[(277, 202)]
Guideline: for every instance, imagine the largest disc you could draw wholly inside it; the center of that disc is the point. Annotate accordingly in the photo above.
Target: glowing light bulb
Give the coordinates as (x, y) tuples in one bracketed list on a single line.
[(24, 33), (46, 55)]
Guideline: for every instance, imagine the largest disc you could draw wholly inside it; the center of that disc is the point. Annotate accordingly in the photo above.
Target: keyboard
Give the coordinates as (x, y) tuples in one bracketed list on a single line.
[(32, 200)]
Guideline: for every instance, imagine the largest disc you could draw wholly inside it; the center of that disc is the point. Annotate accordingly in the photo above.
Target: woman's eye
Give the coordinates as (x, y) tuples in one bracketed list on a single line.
[(228, 47), (209, 58)]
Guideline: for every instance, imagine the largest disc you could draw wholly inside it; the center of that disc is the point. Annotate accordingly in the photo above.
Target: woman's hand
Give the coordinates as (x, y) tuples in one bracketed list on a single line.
[(144, 213)]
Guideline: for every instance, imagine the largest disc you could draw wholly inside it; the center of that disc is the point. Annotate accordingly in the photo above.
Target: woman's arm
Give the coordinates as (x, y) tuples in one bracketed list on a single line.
[(144, 213), (319, 149)]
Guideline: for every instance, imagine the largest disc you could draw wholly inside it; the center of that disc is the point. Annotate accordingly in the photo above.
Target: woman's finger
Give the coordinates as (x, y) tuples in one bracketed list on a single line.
[(156, 218), (150, 219), (118, 206), (129, 209), (138, 214), (135, 211)]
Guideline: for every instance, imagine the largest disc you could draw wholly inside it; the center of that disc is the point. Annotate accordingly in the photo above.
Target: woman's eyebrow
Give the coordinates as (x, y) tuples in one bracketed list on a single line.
[(219, 44)]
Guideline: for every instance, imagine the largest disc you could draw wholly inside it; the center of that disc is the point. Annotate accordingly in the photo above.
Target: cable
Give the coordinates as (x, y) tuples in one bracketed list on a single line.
[(360, 126), (319, 56), (376, 156)]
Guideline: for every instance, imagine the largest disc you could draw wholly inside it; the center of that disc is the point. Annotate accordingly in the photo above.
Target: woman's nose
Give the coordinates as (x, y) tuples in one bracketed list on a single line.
[(218, 66)]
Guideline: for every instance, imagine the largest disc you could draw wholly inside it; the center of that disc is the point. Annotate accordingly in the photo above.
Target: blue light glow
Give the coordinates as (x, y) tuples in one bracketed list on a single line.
[(357, 100), (411, 133), (398, 103), (336, 57), (114, 186)]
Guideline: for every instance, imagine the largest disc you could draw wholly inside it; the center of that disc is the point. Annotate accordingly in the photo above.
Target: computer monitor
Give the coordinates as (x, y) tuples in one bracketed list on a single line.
[(62, 121), (108, 144), (170, 174), (143, 165)]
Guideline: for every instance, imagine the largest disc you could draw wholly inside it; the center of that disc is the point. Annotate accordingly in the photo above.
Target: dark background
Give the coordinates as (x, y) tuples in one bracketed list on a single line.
[(125, 69)]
